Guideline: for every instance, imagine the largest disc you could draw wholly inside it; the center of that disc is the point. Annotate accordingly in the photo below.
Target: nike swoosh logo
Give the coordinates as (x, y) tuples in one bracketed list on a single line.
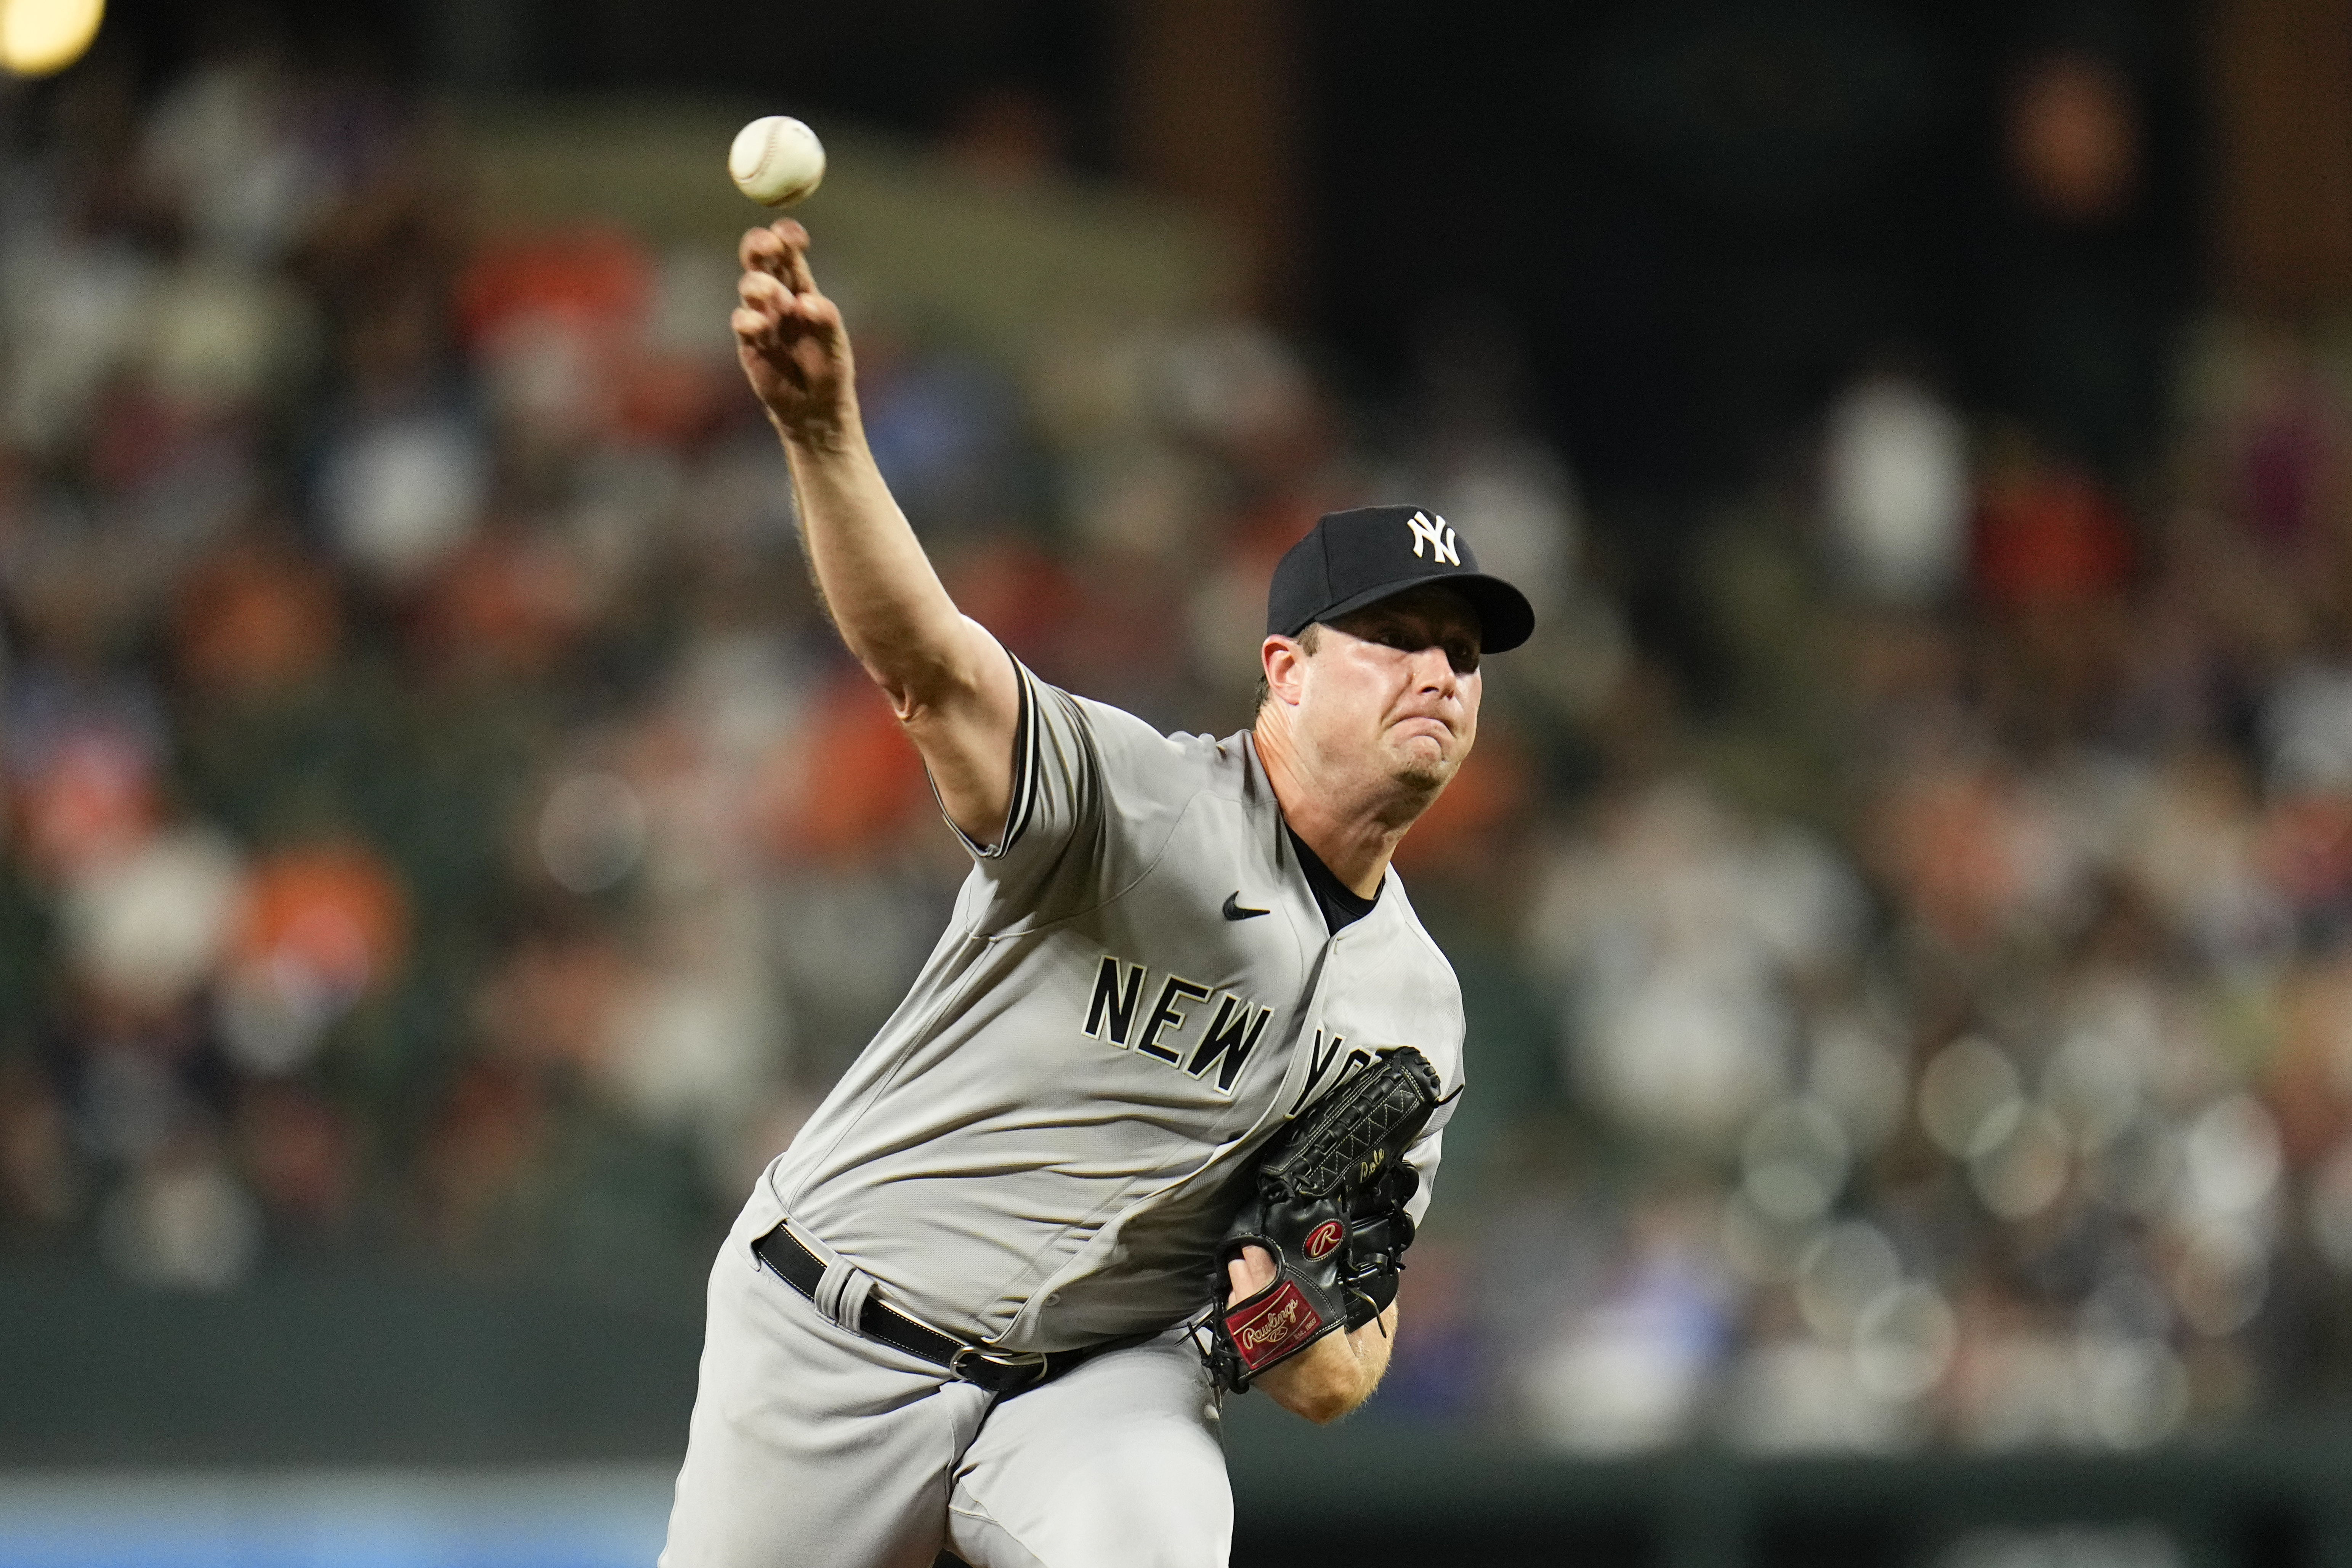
[(1234, 911)]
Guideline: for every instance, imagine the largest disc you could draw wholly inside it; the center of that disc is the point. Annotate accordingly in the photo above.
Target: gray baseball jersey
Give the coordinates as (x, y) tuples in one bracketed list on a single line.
[(1039, 1149)]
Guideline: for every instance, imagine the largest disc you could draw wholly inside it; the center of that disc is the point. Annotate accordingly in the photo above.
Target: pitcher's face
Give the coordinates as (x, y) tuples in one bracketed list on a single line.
[(1393, 689)]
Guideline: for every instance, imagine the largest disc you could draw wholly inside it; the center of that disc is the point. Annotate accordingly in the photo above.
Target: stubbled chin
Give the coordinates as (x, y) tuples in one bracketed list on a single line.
[(1419, 769)]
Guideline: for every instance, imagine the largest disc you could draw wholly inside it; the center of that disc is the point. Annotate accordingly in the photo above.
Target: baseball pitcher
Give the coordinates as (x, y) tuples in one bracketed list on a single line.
[(1160, 1114)]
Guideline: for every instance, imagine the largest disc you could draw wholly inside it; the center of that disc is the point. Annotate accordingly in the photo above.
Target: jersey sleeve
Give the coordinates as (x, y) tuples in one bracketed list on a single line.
[(1424, 1160), (1086, 779), (1429, 1149), (1423, 1157)]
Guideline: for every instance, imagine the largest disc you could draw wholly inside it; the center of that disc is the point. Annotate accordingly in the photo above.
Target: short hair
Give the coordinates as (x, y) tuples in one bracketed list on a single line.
[(1309, 638)]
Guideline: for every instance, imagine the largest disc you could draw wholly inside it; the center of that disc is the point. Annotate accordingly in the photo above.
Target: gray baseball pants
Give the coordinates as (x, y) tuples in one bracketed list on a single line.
[(814, 1447)]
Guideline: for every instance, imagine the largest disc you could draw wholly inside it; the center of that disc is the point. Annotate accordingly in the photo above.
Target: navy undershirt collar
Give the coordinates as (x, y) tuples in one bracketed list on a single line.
[(1341, 905)]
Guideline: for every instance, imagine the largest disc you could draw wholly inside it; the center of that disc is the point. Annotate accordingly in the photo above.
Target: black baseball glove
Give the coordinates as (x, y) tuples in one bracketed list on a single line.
[(1328, 1204)]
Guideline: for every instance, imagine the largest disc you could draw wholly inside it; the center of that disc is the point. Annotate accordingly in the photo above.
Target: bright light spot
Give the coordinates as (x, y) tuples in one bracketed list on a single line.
[(1795, 1158), (1851, 1266), (593, 832), (2137, 1390), (2025, 1171), (41, 37), (1904, 1341), (2232, 1158), (2220, 1280), (2093, 1085), (1971, 1098)]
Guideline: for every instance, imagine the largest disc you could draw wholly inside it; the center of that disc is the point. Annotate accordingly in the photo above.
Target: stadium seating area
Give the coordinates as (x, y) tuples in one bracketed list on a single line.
[(440, 823)]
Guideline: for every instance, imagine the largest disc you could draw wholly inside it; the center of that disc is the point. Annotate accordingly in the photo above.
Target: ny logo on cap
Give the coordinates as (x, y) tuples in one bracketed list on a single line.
[(1436, 535)]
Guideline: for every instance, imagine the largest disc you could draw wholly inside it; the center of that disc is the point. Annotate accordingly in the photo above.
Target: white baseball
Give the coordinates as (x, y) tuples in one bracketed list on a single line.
[(776, 160)]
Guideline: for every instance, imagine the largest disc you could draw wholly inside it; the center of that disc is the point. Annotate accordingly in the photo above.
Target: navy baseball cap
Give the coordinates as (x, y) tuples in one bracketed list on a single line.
[(1352, 559)]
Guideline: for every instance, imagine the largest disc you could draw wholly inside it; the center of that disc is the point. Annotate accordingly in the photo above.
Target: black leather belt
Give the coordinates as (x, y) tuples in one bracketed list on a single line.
[(1002, 1373)]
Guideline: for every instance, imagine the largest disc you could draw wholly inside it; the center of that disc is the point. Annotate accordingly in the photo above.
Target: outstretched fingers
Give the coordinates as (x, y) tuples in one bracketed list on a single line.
[(780, 251), (775, 270), (787, 336), (761, 309), (760, 249), (795, 257), (768, 310), (761, 294)]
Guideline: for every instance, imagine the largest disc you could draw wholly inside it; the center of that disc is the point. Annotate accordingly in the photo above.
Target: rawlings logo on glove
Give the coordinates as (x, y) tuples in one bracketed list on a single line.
[(1328, 1205), (1274, 1328)]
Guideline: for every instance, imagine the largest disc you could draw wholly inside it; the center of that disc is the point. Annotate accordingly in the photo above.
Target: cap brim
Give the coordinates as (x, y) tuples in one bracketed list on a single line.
[(1506, 620)]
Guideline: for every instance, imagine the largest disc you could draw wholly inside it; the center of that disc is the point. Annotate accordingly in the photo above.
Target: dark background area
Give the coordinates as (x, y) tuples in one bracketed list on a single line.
[(1696, 219), (1705, 217)]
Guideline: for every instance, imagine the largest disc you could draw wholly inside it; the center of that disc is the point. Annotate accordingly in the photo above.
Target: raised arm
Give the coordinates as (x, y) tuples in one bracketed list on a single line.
[(949, 681)]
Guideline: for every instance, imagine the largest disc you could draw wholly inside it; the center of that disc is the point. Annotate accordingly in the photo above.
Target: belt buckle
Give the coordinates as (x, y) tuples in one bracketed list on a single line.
[(1034, 1362)]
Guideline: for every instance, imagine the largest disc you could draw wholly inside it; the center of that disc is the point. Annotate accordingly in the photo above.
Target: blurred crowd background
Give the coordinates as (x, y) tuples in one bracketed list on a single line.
[(1903, 894)]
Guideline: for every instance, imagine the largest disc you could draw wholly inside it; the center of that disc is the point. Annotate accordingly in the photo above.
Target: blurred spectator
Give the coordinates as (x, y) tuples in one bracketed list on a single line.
[(320, 928), (2046, 534), (1895, 484), (1631, 1371), (2073, 137), (1682, 939)]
